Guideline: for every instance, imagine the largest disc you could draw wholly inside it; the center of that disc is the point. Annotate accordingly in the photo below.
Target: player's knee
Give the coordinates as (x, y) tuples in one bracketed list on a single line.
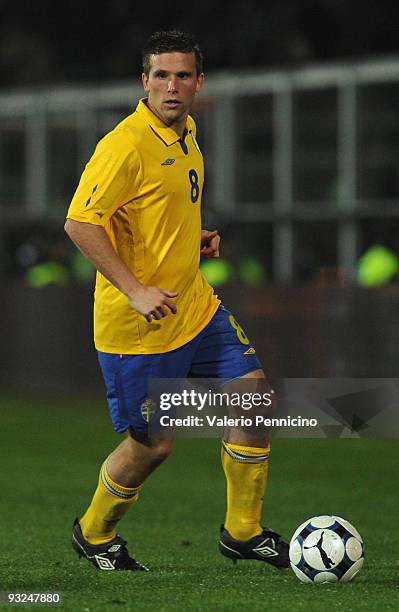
[(152, 451), (160, 450)]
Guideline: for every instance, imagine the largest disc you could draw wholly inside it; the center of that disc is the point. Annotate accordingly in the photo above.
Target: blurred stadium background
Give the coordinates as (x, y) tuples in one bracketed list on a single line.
[(299, 127), (298, 123)]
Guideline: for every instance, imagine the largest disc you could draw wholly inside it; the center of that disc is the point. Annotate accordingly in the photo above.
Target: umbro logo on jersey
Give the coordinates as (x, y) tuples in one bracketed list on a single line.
[(168, 162), (250, 351)]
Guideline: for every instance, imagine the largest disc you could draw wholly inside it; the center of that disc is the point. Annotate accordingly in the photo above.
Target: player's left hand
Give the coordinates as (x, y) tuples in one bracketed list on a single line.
[(210, 243)]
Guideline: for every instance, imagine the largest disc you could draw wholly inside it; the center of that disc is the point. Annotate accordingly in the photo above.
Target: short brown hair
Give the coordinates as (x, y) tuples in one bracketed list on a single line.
[(169, 41)]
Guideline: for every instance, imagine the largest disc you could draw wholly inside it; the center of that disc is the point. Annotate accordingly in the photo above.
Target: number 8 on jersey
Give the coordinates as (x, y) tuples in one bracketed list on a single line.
[(195, 189)]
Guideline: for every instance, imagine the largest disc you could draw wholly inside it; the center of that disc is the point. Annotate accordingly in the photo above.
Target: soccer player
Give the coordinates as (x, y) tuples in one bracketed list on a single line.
[(136, 216)]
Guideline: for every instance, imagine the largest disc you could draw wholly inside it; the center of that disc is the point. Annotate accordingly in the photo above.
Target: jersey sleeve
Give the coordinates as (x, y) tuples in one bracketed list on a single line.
[(111, 178)]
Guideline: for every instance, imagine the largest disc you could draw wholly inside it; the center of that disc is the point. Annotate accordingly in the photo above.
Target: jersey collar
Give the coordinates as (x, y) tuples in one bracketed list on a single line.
[(167, 134)]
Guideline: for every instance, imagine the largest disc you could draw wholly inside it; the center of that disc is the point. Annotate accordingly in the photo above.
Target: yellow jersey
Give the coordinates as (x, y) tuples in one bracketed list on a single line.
[(143, 184)]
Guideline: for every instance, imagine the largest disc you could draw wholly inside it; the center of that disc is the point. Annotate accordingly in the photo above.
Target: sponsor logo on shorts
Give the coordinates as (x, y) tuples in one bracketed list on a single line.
[(250, 351)]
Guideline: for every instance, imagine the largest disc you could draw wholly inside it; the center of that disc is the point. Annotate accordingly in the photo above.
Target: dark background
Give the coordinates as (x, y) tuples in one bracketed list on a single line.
[(322, 329), (47, 42)]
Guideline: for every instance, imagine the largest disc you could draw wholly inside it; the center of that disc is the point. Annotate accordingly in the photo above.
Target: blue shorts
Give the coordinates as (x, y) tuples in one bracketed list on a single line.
[(221, 350)]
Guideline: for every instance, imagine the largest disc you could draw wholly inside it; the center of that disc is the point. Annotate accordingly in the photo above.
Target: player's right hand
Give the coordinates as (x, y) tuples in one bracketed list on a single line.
[(153, 302)]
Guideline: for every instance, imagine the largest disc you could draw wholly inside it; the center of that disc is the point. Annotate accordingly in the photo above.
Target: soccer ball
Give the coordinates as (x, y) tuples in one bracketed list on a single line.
[(326, 549)]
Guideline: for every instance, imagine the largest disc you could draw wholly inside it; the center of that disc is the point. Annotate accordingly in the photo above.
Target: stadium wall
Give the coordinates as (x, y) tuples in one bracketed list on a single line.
[(298, 332)]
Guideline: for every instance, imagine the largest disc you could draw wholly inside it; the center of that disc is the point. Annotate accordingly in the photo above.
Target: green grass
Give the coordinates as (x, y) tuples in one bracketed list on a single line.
[(50, 454)]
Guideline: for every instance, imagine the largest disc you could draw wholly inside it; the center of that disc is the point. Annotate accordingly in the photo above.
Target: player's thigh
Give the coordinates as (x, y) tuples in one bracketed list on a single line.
[(128, 382), (225, 351)]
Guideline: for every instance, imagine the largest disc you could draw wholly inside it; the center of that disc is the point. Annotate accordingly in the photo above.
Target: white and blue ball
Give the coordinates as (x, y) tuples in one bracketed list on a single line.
[(326, 549)]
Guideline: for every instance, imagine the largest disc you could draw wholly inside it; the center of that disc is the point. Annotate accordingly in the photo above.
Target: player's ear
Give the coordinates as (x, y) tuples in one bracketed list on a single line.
[(200, 82), (144, 78)]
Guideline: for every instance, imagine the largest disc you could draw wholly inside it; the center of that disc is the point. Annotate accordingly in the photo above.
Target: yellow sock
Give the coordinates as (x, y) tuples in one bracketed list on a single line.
[(246, 469), (110, 502)]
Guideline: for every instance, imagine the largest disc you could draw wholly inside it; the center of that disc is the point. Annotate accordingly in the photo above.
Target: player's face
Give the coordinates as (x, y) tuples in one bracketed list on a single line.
[(171, 85)]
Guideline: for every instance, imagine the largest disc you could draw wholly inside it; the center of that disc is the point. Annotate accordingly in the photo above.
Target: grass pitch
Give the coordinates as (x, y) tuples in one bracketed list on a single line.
[(51, 451)]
